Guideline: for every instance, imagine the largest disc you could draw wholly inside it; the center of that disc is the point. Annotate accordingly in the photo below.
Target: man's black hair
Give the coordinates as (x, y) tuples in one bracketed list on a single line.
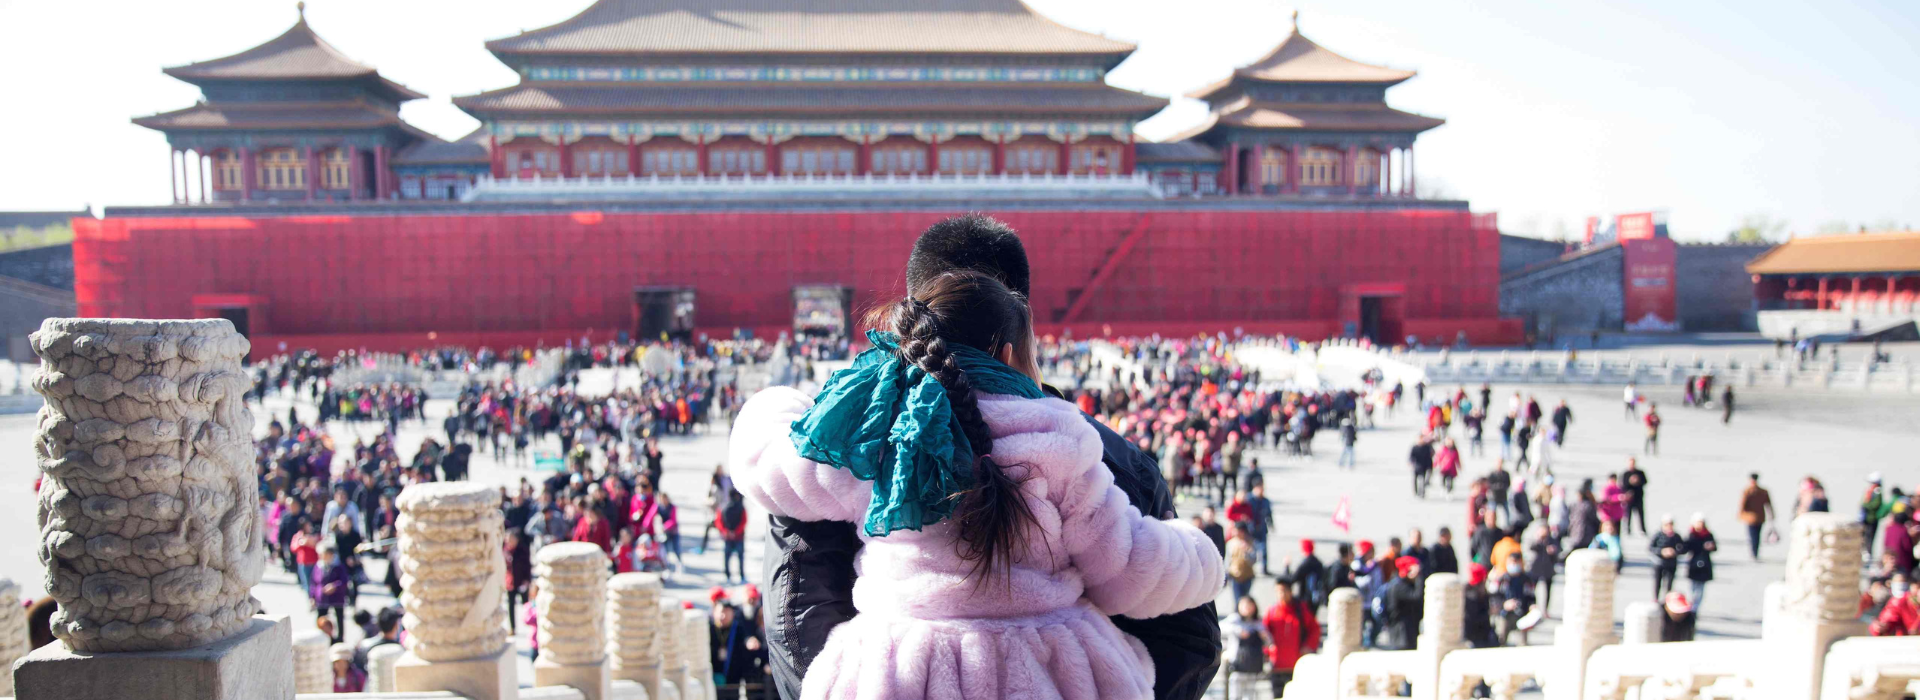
[(970, 242), (389, 620)]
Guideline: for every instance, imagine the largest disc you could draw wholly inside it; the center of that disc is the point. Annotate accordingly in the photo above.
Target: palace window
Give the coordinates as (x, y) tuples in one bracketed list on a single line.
[(1099, 158), (282, 169), (669, 160), (337, 170), (966, 160), (600, 161), (1320, 167), (737, 161), (1033, 158), (1366, 170), (817, 159), (227, 166), (1273, 169), (899, 159)]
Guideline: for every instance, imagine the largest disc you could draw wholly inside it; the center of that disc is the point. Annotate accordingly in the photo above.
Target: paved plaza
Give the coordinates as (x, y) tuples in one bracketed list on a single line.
[(1837, 436)]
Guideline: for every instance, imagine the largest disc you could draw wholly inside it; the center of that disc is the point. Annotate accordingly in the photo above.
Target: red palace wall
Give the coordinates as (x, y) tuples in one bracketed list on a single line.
[(386, 282)]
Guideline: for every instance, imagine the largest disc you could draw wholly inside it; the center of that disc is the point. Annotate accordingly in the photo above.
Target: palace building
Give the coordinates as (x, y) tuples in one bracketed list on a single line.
[(685, 165)]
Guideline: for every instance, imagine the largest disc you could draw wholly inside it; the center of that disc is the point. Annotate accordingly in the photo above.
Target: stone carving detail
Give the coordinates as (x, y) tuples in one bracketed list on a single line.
[(1823, 568), (670, 643), (13, 632), (453, 571), (1343, 622), (148, 527), (1589, 606), (1443, 621), (572, 602), (633, 605), (312, 667)]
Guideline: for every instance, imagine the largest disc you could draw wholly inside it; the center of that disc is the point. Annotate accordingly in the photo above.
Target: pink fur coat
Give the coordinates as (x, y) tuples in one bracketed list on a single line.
[(925, 630)]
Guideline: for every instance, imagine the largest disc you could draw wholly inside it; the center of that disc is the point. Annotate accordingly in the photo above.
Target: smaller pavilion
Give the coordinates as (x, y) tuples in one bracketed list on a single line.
[(292, 119), (1870, 275), (1304, 120)]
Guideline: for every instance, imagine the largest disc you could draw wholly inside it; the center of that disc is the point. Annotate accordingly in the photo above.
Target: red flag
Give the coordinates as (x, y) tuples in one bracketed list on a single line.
[(1343, 514)]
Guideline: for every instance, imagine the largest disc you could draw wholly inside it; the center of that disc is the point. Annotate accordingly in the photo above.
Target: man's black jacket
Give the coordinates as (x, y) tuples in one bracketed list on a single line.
[(809, 579)]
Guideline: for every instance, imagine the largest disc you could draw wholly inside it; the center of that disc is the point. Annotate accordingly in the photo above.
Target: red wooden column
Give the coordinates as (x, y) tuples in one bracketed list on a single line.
[(382, 179), (863, 156), (700, 159), (1256, 175), (1292, 175), (1230, 169), (1352, 160), (248, 178), (200, 168), (1820, 298), (633, 155), (1127, 156), (933, 155), (353, 173), (173, 174), (774, 165), (566, 159), (1406, 161), (313, 175), (1855, 298), (1066, 156), (496, 160), (1000, 155)]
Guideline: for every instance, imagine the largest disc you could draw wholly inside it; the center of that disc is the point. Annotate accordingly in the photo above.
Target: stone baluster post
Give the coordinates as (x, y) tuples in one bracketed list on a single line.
[(1643, 622), (699, 633), (1587, 622), (1442, 630), (572, 613), (312, 667), (633, 604), (148, 527), (453, 578), (380, 661), (1819, 605), (13, 632), (669, 640)]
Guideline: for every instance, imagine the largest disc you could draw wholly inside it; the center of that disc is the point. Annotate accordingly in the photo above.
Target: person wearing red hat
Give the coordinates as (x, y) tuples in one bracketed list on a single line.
[(1404, 603), (1676, 625), (1477, 611), (1309, 577)]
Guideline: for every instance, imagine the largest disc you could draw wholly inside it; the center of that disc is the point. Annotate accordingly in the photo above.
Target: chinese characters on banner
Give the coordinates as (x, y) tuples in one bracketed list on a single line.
[(1650, 303)]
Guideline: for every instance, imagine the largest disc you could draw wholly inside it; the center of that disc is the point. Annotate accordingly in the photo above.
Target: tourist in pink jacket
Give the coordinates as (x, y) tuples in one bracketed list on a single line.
[(995, 542), (1613, 500)]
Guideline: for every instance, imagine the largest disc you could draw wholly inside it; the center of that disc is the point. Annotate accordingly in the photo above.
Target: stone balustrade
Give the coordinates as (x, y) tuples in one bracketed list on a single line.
[(1809, 647), (571, 607)]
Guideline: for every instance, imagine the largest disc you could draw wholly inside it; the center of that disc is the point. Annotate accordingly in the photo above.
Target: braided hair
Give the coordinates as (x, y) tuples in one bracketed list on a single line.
[(977, 310)]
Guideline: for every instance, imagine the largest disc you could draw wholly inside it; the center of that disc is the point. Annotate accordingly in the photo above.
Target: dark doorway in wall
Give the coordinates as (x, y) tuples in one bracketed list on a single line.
[(662, 311)]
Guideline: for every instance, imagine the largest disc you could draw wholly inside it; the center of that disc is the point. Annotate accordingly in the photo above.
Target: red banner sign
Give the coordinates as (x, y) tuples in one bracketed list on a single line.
[(1651, 302)]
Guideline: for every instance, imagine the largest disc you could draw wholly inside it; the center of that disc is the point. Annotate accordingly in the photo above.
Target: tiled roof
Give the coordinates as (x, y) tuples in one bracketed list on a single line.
[(1298, 59), (1325, 117), (1176, 151), (273, 115), (787, 98), (39, 219), (808, 26), (297, 54), (1866, 252), (430, 151)]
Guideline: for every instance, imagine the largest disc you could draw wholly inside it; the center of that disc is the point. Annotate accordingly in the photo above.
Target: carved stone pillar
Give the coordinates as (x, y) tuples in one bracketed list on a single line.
[(572, 608), (633, 611), (697, 631), (1442, 626), (312, 669), (671, 646), (149, 530), (1818, 605), (1587, 623), (453, 573), (380, 661), (13, 632), (1643, 623)]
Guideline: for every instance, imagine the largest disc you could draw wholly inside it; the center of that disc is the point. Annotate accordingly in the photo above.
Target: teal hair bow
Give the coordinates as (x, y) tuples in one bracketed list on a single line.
[(891, 423)]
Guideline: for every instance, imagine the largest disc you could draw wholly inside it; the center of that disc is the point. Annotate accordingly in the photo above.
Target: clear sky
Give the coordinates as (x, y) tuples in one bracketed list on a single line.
[(1710, 109)]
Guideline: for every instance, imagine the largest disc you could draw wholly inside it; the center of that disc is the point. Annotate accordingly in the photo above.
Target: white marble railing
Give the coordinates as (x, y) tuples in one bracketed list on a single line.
[(938, 185), (1564, 367), (1809, 648)]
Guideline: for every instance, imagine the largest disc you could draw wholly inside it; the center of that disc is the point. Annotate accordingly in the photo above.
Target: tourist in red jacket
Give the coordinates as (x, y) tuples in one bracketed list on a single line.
[(1901, 616), (595, 529), (1294, 631)]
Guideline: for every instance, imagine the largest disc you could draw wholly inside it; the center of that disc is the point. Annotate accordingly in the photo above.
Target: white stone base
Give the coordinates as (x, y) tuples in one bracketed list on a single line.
[(592, 680), (256, 663), (647, 676), (484, 678)]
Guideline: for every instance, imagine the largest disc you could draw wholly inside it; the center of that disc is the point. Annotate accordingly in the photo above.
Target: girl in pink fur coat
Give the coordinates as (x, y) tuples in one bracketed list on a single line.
[(995, 542)]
